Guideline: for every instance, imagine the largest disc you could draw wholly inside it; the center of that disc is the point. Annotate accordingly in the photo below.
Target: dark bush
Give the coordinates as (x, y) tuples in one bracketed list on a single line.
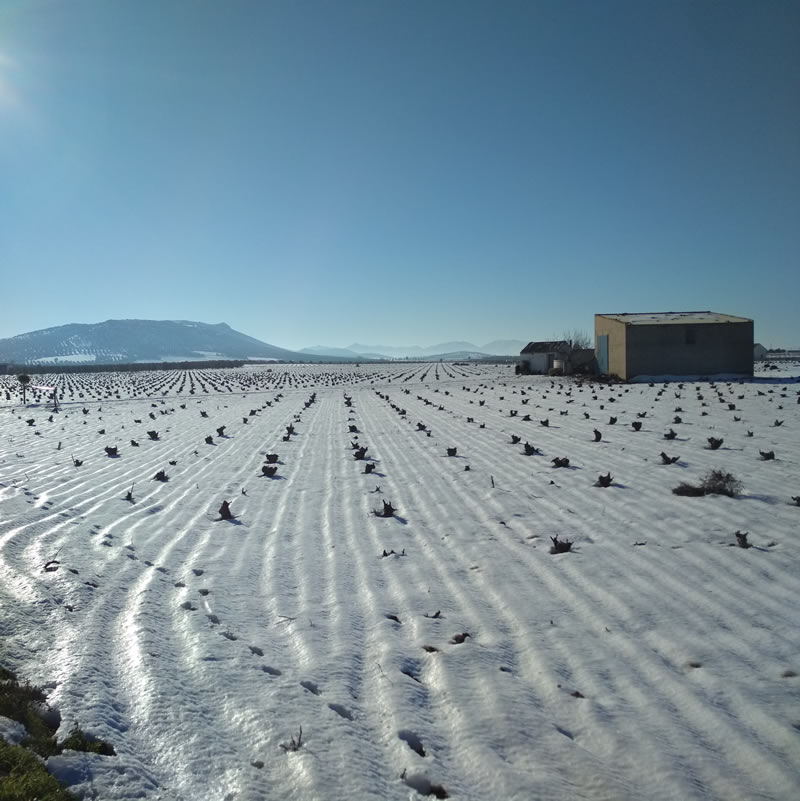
[(690, 490), (718, 482), (604, 481), (387, 511)]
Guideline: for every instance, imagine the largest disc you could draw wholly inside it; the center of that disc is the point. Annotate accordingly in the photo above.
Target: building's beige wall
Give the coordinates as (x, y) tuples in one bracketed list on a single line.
[(663, 350), (616, 343)]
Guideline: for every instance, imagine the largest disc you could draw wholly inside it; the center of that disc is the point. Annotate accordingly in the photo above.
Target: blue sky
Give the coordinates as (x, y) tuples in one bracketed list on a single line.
[(398, 172)]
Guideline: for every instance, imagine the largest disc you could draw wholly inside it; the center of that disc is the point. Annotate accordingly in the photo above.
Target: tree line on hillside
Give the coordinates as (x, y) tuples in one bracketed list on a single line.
[(217, 364)]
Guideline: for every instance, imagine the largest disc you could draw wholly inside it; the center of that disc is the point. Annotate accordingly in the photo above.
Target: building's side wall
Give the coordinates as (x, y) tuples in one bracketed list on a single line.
[(537, 362), (615, 330), (708, 349), (583, 360)]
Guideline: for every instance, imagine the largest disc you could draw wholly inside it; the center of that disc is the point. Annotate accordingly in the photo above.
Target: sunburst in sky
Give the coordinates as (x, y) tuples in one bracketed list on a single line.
[(409, 173), (8, 96)]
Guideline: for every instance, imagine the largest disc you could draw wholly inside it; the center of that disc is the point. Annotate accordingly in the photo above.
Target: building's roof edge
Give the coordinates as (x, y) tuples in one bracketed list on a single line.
[(666, 318), (551, 346)]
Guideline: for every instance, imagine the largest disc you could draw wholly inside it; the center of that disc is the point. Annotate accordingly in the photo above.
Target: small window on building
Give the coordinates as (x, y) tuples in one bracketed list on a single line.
[(691, 333)]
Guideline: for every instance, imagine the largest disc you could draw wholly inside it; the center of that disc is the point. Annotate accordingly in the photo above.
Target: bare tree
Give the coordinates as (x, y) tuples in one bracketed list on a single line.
[(24, 379), (577, 339)]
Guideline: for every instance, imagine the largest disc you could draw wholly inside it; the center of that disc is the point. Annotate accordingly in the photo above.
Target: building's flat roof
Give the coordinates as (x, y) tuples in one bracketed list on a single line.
[(545, 347), (663, 318)]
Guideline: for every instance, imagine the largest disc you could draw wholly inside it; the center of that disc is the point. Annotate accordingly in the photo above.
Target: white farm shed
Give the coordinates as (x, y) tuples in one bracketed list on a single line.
[(538, 357)]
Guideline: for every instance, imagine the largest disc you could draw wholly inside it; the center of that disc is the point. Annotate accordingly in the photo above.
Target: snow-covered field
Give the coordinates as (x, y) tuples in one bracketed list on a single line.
[(656, 660)]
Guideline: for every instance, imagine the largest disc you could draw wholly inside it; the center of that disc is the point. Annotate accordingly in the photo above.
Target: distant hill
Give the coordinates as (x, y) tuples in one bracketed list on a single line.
[(344, 353), (459, 356), (412, 351), (498, 347), (504, 347), (131, 341)]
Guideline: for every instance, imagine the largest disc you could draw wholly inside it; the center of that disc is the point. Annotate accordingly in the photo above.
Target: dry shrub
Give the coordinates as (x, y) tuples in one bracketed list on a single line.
[(715, 482), (560, 546), (688, 489)]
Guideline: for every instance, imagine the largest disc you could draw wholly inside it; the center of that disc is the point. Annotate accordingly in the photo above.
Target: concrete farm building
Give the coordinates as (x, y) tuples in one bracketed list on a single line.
[(539, 357), (673, 343)]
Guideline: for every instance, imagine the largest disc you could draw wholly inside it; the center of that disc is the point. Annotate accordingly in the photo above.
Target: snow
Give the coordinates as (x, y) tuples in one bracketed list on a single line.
[(71, 358), (11, 731), (656, 660)]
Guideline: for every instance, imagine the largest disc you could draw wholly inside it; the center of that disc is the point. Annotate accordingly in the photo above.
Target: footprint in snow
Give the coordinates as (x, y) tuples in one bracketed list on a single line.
[(412, 741), (341, 711), (424, 786), (412, 668)]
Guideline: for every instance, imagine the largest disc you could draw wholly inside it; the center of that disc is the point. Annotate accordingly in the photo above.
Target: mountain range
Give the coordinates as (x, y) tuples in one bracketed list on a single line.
[(498, 347), (132, 341)]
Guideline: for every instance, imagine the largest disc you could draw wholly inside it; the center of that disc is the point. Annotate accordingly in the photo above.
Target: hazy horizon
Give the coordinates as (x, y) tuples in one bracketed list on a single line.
[(411, 173), (366, 348)]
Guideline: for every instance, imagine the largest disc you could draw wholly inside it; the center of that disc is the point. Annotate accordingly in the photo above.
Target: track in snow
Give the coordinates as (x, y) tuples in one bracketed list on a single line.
[(653, 661)]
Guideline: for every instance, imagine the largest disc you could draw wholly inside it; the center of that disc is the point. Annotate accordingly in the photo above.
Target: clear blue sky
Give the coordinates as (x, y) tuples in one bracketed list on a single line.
[(398, 172)]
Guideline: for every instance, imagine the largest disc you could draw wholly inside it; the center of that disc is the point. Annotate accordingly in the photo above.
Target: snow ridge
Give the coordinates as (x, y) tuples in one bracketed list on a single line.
[(442, 648)]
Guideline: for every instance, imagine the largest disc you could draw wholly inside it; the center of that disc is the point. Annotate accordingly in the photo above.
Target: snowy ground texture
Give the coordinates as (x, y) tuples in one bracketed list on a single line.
[(656, 660)]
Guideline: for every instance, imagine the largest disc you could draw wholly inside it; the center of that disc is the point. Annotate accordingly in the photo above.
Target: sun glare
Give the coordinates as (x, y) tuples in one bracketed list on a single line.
[(8, 98)]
